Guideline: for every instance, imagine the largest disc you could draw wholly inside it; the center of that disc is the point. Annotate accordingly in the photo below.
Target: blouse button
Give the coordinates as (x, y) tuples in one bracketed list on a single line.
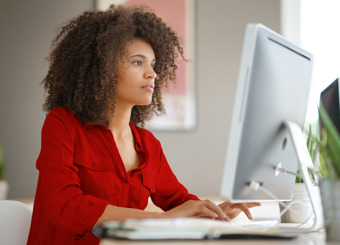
[(93, 164)]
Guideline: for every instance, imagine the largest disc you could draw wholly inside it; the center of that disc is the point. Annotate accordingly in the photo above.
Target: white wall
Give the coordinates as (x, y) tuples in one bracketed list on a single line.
[(197, 157)]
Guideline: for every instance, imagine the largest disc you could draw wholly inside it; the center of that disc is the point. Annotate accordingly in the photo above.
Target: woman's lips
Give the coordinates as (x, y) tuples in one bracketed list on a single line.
[(149, 87)]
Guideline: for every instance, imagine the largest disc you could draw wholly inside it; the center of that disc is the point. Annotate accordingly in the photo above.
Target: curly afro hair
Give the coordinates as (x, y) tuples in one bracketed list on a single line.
[(82, 75)]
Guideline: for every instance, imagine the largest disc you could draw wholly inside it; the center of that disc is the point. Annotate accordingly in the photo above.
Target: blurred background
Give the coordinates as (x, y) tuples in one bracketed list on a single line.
[(196, 156)]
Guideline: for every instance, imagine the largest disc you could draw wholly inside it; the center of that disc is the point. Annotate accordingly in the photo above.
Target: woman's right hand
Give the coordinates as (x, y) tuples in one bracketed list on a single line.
[(199, 209)]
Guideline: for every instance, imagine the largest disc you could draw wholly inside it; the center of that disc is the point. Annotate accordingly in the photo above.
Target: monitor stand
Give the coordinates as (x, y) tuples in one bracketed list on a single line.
[(308, 173)]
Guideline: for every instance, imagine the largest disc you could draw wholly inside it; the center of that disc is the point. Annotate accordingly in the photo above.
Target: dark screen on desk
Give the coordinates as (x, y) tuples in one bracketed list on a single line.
[(330, 101)]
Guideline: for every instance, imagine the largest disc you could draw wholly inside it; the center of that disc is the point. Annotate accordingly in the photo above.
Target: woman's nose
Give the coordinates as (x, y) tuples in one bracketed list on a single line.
[(151, 74)]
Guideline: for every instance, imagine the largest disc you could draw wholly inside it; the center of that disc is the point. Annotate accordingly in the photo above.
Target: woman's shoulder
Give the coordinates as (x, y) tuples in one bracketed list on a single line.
[(62, 114), (63, 121)]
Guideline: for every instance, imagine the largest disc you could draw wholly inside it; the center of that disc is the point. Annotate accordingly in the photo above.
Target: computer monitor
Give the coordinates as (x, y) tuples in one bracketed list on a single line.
[(273, 88), (329, 98)]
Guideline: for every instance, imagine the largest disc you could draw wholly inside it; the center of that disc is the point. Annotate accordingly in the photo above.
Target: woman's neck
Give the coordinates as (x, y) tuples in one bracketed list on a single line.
[(119, 122)]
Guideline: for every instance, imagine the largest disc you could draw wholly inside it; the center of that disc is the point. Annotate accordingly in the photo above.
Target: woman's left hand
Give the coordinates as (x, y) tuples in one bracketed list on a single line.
[(232, 210)]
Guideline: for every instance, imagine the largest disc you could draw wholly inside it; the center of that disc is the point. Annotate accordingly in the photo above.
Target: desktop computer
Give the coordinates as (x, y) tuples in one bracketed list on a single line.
[(266, 145)]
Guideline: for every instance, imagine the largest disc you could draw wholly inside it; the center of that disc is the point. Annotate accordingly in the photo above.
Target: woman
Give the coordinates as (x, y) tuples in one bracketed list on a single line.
[(97, 163)]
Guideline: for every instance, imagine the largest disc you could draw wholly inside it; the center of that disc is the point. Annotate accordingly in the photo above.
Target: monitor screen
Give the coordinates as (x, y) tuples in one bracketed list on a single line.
[(329, 98), (273, 87)]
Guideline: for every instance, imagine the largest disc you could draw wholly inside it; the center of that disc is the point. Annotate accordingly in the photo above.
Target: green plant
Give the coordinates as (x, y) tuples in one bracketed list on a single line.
[(298, 179), (325, 149), (2, 164), (311, 146), (329, 147)]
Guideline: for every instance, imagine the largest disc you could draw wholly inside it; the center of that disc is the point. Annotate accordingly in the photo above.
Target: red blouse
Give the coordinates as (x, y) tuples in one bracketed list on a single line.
[(81, 171)]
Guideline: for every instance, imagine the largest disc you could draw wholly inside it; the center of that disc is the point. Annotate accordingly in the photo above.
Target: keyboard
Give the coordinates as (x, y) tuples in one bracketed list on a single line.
[(254, 222)]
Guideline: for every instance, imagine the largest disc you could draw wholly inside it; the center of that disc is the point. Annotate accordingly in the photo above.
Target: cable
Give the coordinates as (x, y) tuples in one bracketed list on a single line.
[(286, 171), (257, 186)]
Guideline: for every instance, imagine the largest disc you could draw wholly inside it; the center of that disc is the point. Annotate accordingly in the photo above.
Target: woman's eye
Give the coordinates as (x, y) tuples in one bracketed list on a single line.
[(137, 62)]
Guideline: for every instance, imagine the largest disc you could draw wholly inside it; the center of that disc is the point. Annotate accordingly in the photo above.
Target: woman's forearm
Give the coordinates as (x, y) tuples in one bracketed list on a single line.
[(118, 213), (191, 208)]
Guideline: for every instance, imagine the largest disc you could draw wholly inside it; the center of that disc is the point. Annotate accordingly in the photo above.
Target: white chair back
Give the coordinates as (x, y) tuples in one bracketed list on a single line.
[(15, 221)]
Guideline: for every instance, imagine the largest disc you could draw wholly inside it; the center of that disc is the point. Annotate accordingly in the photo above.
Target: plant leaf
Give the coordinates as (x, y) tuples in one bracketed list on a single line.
[(333, 139)]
